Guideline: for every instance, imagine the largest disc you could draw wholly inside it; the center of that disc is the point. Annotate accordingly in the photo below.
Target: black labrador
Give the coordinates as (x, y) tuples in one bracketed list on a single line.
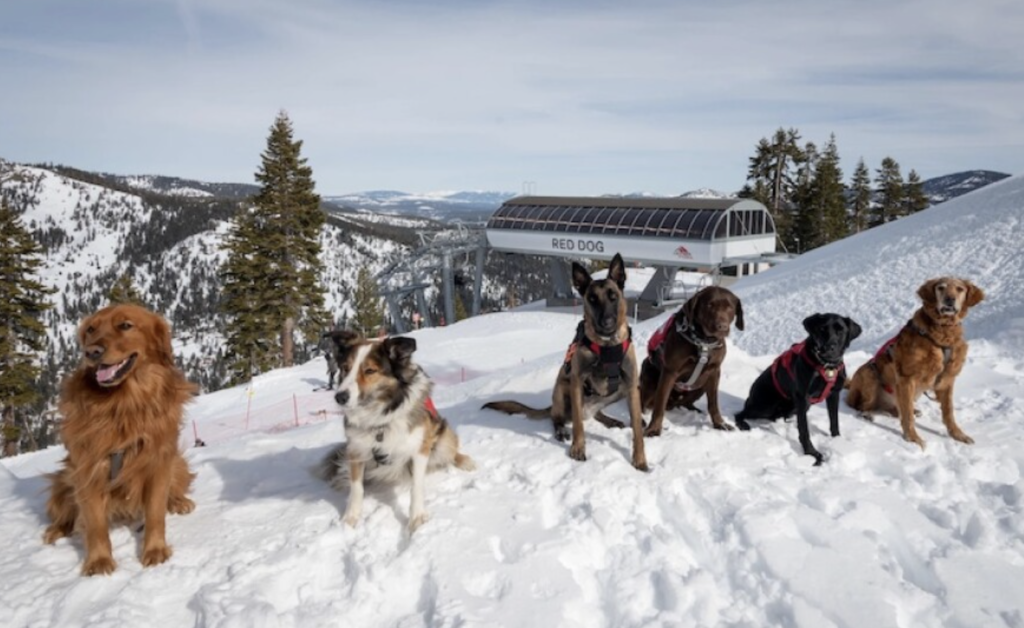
[(808, 373)]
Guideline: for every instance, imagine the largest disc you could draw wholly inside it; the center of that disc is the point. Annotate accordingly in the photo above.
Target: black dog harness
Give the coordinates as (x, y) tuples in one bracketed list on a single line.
[(689, 333), (828, 372), (610, 357), (887, 349)]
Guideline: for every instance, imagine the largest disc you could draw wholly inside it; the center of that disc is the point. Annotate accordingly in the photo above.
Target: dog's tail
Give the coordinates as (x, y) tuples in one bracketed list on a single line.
[(333, 469), (514, 407)]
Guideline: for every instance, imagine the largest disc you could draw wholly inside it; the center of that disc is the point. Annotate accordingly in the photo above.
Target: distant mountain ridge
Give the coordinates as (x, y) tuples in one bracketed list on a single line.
[(472, 206), (941, 189)]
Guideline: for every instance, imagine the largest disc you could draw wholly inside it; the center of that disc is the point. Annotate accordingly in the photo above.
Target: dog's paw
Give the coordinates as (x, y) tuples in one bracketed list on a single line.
[(867, 416), (641, 465), (464, 462), (651, 432), (743, 425), (54, 533), (818, 459), (722, 425), (418, 520), (100, 566), (156, 555), (180, 505), (578, 452), (914, 438), (562, 434), (351, 520), (960, 436)]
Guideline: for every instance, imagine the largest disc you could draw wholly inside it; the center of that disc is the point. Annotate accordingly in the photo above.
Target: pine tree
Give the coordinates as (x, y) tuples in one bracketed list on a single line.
[(804, 230), (914, 199), (22, 336), (272, 284), (248, 350), (860, 197), (369, 313), (890, 192), (124, 291), (771, 170), (830, 194)]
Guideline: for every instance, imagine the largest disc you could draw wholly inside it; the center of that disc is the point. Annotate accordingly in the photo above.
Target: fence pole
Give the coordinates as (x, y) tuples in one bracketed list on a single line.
[(248, 406)]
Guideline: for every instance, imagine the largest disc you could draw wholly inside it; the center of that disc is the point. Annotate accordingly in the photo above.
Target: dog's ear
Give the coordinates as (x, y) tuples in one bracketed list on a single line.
[(738, 307), (975, 295), (617, 271), (580, 278), (813, 322), (689, 309), (927, 291), (399, 348), (162, 337), (853, 330)]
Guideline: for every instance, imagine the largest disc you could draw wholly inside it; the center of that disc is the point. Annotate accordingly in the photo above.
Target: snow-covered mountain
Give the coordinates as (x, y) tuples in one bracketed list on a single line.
[(170, 245), (470, 207), (728, 528), (941, 189)]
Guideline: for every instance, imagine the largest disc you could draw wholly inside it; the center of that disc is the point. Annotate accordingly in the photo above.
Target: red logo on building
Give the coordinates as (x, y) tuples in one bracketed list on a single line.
[(683, 252)]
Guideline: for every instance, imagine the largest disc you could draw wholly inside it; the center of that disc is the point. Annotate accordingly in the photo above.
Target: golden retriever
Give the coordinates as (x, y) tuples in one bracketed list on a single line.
[(122, 411), (927, 354)]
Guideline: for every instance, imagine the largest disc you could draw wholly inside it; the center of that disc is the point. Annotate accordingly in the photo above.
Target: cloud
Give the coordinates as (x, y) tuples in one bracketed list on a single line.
[(581, 97)]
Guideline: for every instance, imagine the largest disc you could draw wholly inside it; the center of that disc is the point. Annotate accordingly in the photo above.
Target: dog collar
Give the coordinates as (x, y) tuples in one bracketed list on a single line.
[(947, 352), (610, 356), (689, 332), (116, 462)]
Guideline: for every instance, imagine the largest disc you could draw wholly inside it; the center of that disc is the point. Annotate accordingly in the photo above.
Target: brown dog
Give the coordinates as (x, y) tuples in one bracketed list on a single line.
[(600, 366), (927, 354), (685, 356), (122, 409)]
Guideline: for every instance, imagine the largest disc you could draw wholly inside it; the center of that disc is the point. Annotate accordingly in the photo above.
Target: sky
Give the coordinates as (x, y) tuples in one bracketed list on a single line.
[(576, 97)]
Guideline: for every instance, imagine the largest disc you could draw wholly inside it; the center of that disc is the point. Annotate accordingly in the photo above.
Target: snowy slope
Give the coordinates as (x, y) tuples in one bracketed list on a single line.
[(873, 276), (732, 529)]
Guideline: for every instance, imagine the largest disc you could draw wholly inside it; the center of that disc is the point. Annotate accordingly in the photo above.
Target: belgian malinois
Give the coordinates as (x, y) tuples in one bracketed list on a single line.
[(600, 366)]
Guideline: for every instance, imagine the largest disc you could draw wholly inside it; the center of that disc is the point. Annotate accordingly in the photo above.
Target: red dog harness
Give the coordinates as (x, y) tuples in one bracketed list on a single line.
[(887, 348), (786, 363), (610, 357)]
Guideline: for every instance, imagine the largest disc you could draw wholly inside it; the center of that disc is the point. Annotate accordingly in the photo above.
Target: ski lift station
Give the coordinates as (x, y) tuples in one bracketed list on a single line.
[(730, 236)]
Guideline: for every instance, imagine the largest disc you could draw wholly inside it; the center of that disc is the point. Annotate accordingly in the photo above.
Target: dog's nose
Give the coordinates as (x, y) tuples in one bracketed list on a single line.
[(341, 398), (94, 352)]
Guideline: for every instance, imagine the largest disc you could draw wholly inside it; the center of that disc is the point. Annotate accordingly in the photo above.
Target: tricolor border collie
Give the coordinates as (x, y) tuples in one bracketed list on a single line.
[(393, 432)]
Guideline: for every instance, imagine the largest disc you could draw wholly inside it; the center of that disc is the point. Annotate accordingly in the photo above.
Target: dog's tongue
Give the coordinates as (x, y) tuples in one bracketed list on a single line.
[(106, 373)]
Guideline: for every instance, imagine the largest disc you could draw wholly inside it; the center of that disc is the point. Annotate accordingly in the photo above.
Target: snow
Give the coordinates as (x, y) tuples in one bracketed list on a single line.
[(728, 529)]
